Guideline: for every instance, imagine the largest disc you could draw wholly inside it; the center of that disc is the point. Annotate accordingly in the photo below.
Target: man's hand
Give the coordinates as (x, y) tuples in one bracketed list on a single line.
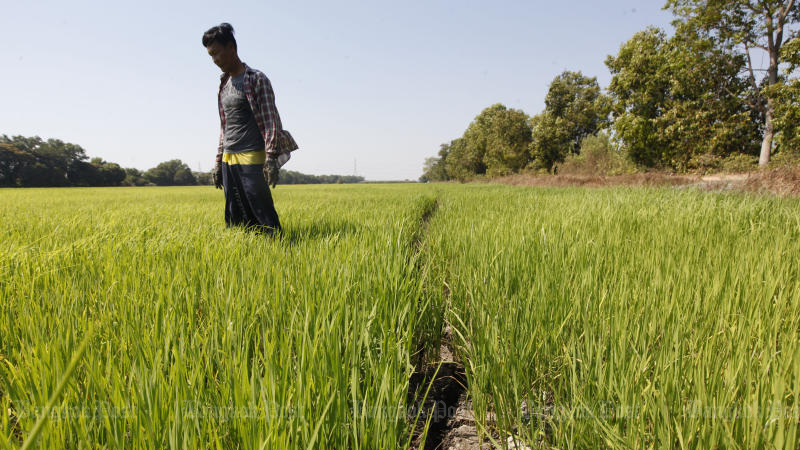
[(216, 176), (271, 171)]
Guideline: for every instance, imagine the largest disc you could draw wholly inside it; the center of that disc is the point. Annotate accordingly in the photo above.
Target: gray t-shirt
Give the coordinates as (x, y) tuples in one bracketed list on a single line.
[(241, 130)]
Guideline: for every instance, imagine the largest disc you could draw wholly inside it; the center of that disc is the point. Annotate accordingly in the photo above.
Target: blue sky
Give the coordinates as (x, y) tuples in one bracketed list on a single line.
[(373, 87)]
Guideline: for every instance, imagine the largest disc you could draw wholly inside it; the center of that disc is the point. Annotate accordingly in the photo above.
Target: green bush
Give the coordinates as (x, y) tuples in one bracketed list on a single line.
[(735, 162), (703, 163), (739, 162), (784, 158), (598, 156)]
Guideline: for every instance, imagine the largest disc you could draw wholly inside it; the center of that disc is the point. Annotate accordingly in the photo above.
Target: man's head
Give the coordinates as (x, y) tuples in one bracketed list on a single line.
[(221, 45)]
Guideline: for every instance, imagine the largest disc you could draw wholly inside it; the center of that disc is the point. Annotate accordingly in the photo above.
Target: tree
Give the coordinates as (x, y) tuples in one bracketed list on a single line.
[(134, 177), (578, 101), (574, 108), (464, 162), (435, 168), (111, 174), (710, 108), (184, 177), (639, 88), (786, 97), (45, 163), (292, 177), (507, 137), (744, 26), (203, 178), (95, 173), (676, 99), (170, 173), (495, 143), (82, 173), (12, 160), (550, 140)]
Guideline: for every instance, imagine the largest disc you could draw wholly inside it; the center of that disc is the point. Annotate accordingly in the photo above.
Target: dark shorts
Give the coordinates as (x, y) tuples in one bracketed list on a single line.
[(248, 201)]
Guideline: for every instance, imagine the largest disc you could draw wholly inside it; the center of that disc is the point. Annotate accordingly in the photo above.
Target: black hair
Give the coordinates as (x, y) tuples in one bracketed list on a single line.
[(222, 33)]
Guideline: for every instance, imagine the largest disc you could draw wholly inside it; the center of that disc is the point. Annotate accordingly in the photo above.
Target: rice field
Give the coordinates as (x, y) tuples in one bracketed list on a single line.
[(628, 317), (584, 318)]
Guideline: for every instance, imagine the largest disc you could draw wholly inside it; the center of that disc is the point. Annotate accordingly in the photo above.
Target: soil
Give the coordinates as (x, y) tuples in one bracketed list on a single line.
[(448, 385)]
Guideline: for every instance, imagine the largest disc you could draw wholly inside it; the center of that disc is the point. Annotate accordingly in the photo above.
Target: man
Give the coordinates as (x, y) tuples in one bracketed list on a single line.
[(252, 143)]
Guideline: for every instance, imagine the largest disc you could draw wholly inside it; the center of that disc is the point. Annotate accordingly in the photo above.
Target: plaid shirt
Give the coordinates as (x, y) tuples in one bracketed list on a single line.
[(258, 91)]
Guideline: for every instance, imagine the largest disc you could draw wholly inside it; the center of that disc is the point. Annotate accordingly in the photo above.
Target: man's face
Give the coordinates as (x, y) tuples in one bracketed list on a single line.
[(223, 55)]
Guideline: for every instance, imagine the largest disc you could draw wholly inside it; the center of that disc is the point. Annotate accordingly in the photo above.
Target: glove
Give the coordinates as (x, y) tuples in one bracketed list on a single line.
[(216, 175), (271, 171)]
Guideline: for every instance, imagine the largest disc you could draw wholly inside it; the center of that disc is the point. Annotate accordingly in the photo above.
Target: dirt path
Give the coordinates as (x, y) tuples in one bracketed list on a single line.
[(721, 182), (733, 177)]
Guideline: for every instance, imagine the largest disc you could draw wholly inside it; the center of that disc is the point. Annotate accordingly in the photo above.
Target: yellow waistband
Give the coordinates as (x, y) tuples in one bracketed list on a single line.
[(254, 157)]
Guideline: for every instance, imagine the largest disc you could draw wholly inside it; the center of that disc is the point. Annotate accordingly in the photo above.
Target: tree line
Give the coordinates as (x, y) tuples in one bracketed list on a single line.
[(34, 162), (292, 177), (692, 101)]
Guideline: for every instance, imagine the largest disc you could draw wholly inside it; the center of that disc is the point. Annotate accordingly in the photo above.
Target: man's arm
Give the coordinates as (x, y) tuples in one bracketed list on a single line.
[(219, 147), (216, 174), (267, 115)]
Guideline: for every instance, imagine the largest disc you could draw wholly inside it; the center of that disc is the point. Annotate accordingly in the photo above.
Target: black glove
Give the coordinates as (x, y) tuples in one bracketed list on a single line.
[(271, 171), (216, 175)]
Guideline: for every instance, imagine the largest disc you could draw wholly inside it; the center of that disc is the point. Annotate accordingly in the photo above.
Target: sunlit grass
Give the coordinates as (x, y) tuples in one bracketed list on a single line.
[(206, 336), (626, 318), (620, 318)]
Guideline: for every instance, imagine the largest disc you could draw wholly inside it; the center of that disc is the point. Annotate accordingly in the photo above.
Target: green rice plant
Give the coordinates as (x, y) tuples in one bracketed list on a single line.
[(207, 337), (625, 318), (611, 318)]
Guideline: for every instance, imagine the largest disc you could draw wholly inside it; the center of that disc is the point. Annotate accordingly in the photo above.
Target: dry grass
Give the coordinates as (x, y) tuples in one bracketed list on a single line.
[(633, 179), (781, 181)]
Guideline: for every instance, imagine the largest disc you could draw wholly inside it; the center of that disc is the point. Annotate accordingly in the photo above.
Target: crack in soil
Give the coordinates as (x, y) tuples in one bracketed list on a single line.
[(437, 390), (446, 384), (436, 386), (427, 213)]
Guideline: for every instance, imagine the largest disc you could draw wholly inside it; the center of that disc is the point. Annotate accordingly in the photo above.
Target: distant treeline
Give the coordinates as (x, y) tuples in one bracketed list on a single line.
[(33, 162), (689, 102), (292, 177)]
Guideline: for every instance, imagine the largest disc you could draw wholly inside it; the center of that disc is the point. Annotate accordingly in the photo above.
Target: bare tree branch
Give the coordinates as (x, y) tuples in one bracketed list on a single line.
[(770, 40), (750, 68), (781, 22), (785, 11)]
